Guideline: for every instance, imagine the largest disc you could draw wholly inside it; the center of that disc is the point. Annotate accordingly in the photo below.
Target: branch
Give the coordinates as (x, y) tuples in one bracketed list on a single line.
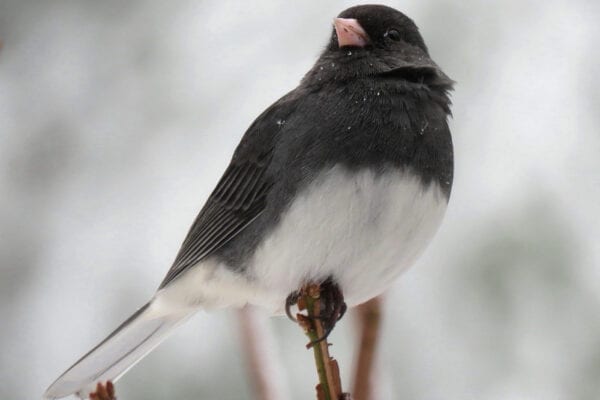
[(330, 385), (104, 392), (369, 315), (263, 365)]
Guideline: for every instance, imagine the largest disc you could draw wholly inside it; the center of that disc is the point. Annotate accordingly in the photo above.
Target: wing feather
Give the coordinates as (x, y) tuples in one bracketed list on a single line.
[(240, 195)]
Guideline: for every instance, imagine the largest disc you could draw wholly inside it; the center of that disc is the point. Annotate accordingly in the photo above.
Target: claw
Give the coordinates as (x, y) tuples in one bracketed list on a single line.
[(343, 310), (334, 308), (319, 340), (291, 301)]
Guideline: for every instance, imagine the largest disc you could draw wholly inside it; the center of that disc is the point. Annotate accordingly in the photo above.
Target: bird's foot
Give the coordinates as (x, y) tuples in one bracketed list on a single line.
[(331, 310), (333, 306)]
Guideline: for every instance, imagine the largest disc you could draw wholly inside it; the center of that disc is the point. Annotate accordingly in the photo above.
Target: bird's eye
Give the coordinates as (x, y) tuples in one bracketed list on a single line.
[(392, 34)]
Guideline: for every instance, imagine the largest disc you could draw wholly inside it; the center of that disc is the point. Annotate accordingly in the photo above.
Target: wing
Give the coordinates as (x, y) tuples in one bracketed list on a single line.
[(240, 195)]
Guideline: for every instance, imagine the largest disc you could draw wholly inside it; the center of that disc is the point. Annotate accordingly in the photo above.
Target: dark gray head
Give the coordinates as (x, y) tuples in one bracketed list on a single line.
[(383, 28), (371, 40)]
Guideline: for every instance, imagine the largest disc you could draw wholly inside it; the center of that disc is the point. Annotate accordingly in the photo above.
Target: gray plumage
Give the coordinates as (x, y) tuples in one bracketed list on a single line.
[(374, 111)]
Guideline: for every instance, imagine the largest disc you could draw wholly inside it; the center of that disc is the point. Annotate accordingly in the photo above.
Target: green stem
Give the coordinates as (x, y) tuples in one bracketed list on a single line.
[(313, 336)]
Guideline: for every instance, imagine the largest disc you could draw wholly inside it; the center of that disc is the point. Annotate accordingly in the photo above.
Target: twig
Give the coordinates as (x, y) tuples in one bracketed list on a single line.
[(330, 385), (263, 365), (104, 391), (369, 315)]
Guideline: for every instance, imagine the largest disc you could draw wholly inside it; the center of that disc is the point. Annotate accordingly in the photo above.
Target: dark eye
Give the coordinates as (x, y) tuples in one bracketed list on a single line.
[(392, 34)]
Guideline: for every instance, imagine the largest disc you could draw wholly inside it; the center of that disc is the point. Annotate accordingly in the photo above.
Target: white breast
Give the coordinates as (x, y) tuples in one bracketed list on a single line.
[(361, 228)]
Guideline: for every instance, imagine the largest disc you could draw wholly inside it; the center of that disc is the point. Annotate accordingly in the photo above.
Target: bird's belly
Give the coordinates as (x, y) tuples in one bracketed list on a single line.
[(361, 228)]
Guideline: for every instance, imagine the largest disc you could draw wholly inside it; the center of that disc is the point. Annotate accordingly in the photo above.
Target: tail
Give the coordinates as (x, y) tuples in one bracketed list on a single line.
[(121, 350)]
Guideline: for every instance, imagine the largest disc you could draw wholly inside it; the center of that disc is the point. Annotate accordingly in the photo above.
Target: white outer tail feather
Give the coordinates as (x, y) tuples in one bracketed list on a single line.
[(120, 351)]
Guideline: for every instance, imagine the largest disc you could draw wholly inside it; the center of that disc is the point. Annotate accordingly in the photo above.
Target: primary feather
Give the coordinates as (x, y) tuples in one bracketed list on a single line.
[(120, 351)]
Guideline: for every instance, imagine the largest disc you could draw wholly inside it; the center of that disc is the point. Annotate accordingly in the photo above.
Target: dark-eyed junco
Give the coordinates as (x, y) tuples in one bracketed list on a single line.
[(343, 180)]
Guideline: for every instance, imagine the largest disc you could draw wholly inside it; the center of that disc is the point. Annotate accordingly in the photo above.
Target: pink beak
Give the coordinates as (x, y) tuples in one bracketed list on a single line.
[(350, 33)]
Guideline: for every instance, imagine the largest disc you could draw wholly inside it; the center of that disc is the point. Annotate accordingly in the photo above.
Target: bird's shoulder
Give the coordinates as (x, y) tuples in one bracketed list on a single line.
[(260, 138), (240, 195)]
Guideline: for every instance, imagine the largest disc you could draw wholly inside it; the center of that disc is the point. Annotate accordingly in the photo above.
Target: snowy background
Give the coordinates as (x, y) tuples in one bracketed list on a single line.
[(117, 119)]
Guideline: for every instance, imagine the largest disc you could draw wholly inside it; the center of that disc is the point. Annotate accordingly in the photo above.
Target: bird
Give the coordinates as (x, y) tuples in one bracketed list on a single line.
[(343, 181)]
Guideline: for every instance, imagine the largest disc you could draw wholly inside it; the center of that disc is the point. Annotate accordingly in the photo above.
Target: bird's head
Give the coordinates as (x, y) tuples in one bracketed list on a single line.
[(373, 28), (372, 40)]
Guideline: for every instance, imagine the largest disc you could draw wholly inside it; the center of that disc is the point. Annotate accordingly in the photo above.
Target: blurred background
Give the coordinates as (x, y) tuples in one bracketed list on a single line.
[(117, 119)]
